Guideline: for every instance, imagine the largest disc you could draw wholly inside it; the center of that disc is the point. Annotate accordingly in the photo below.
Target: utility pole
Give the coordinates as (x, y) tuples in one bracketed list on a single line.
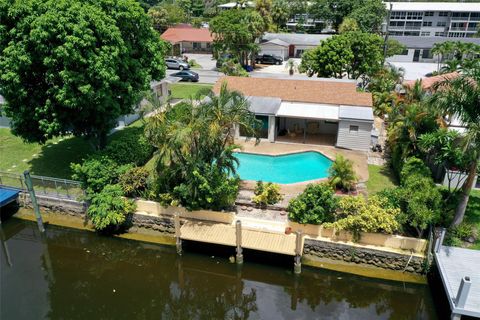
[(387, 28), (33, 198)]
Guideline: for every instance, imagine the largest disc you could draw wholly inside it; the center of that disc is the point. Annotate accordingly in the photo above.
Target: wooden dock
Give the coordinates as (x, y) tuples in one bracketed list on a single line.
[(454, 264), (225, 234)]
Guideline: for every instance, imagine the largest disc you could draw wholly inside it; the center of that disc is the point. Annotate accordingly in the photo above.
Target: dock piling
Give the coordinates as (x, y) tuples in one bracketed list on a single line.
[(178, 240), (297, 266), (440, 239), (463, 291), (238, 233), (33, 198)]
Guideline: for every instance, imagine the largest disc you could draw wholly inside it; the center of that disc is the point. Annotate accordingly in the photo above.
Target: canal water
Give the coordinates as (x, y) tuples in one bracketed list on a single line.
[(75, 274)]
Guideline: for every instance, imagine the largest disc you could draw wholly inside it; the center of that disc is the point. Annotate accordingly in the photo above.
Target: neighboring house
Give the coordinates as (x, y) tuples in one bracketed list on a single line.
[(188, 40), (320, 111), (419, 49), (290, 44), (436, 19)]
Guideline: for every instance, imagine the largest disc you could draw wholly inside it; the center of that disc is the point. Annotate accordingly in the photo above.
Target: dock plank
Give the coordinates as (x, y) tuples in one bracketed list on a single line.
[(454, 264), (224, 234)]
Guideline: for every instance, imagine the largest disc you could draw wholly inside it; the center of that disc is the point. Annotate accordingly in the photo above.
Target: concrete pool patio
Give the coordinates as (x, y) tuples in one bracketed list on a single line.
[(359, 159)]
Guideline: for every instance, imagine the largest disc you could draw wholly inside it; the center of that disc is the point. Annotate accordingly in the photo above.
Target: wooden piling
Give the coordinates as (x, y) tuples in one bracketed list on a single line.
[(297, 266), (33, 198), (178, 240), (238, 233)]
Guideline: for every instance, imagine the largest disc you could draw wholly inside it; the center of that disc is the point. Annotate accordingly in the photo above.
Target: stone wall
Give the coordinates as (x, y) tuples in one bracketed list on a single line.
[(63, 206), (163, 224), (364, 255)]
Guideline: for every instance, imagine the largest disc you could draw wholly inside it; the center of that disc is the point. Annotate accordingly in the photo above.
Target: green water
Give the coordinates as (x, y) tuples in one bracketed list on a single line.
[(73, 274)]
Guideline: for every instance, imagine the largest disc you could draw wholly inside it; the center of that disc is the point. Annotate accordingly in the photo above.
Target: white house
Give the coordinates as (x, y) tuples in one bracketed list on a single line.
[(288, 45), (316, 111)]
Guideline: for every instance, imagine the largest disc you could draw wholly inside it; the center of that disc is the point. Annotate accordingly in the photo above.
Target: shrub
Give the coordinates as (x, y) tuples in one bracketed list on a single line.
[(267, 193), (317, 204), (361, 215), (231, 68), (420, 203), (129, 146), (209, 188), (96, 172), (134, 181), (108, 208), (192, 63), (456, 235), (414, 167), (342, 174)]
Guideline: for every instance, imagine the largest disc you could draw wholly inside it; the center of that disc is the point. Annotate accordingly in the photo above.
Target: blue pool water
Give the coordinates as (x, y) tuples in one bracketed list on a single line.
[(290, 168)]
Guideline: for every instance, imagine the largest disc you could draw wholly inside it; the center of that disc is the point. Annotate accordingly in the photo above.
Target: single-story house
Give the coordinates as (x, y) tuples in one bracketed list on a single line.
[(321, 111), (288, 45), (188, 40), (4, 121), (419, 49)]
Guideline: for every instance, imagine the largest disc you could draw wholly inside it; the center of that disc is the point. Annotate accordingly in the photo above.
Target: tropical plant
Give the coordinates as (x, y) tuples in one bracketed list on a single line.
[(134, 181), (357, 214), (280, 13), (315, 205), (291, 66), (267, 193), (341, 173), (348, 25), (129, 147), (459, 97), (414, 167), (231, 68), (196, 162), (108, 208), (73, 67)]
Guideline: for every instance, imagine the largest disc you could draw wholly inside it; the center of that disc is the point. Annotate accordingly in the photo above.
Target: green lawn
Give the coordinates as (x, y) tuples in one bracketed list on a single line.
[(187, 90), (51, 159), (472, 215), (380, 177)]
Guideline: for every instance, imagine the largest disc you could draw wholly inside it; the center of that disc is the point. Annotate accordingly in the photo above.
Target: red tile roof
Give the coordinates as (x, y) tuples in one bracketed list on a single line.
[(175, 35), (313, 91), (428, 83)]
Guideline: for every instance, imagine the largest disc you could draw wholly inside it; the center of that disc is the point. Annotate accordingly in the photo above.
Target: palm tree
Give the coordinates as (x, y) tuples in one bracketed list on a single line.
[(291, 66), (460, 97), (342, 174)]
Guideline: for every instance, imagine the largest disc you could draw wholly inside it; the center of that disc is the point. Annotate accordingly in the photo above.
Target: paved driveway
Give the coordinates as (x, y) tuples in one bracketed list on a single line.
[(205, 60)]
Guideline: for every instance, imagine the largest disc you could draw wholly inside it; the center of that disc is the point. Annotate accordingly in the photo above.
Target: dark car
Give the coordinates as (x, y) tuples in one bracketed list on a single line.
[(189, 76), (268, 59)]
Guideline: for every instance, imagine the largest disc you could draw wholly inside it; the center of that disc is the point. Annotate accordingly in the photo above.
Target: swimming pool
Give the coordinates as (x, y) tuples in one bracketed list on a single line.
[(290, 168)]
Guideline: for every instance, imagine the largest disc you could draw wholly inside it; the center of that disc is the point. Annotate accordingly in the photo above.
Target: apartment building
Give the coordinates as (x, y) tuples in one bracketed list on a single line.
[(434, 19)]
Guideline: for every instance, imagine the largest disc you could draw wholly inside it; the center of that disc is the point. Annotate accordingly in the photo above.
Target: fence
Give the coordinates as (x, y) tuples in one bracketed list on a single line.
[(44, 186)]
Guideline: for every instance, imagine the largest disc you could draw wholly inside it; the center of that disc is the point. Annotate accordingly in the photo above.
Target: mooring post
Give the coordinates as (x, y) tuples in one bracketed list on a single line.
[(33, 198), (297, 265), (462, 293), (438, 244), (178, 234), (238, 233)]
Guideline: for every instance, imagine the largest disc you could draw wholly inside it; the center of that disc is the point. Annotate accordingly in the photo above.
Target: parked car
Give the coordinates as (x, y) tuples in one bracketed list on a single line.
[(268, 59), (176, 64), (189, 76)]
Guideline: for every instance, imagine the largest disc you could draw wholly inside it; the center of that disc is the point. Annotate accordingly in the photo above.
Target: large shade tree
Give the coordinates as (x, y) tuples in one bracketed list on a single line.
[(460, 97), (73, 67)]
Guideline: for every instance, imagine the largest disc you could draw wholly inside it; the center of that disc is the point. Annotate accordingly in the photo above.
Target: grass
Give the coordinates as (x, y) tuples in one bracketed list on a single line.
[(187, 90), (195, 65), (51, 159), (380, 177), (472, 215)]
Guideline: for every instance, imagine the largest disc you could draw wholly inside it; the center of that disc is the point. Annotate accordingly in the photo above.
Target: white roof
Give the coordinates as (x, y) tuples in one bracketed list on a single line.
[(435, 6), (234, 4), (307, 110), (277, 42), (355, 113)]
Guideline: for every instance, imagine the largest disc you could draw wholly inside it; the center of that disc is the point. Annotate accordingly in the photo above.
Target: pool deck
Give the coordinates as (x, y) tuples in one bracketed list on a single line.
[(359, 158)]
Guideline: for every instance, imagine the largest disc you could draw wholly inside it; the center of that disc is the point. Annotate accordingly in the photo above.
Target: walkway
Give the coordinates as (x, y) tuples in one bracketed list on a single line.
[(454, 264), (224, 234)]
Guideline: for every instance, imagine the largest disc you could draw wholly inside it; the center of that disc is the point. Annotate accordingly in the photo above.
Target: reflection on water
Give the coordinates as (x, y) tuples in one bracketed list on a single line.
[(72, 274)]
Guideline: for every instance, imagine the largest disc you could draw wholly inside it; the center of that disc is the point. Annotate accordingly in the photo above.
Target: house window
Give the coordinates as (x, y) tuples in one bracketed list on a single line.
[(427, 54), (425, 34), (428, 13), (441, 24), (404, 53), (427, 23), (443, 13), (439, 34), (354, 129), (196, 45)]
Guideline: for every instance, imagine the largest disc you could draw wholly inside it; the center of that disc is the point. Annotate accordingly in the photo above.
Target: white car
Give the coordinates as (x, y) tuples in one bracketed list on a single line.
[(176, 64)]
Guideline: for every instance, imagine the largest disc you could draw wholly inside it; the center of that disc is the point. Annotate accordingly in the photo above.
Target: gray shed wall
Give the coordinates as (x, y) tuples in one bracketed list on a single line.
[(359, 140)]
